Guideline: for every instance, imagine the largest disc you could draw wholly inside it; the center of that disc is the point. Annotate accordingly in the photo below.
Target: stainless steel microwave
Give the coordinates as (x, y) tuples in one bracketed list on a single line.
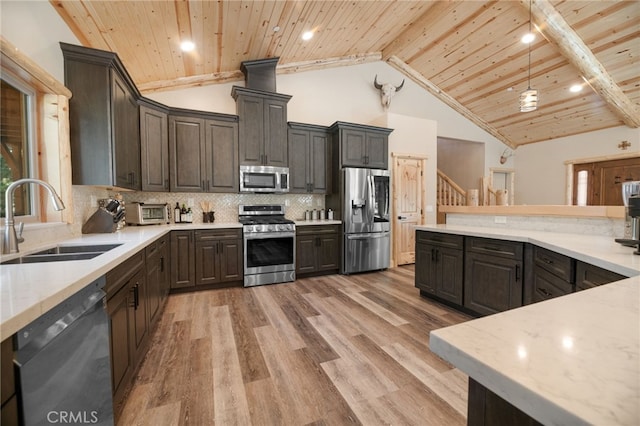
[(264, 179), (147, 214)]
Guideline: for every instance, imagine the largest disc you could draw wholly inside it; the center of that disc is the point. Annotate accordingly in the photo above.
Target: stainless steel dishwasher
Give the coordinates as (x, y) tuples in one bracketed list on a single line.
[(64, 363)]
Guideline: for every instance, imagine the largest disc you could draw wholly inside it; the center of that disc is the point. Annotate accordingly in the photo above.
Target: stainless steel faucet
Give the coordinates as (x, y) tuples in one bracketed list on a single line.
[(11, 240)]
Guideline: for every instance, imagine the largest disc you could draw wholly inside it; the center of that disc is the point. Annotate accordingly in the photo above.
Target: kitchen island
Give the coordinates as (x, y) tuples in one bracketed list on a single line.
[(574, 359)]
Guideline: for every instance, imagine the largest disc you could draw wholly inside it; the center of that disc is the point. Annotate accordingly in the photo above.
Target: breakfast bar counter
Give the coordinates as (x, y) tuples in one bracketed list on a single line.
[(570, 360)]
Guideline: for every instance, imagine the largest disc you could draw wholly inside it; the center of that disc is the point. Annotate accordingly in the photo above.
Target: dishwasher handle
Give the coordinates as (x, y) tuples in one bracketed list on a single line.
[(47, 327)]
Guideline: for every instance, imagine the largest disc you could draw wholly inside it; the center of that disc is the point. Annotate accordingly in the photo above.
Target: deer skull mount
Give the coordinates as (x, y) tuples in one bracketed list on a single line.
[(387, 91)]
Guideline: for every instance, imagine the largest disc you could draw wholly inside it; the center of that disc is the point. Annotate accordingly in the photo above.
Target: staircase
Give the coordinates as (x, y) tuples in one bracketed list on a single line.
[(448, 194)]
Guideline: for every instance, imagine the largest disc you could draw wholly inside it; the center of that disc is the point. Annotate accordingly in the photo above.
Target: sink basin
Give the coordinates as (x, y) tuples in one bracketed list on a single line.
[(61, 253)]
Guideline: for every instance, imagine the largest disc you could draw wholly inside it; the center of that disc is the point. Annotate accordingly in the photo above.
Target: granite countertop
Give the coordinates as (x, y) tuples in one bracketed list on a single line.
[(574, 359), (29, 290)]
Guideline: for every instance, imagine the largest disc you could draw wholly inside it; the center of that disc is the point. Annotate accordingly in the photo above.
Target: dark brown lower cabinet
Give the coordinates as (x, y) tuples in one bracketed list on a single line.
[(206, 258), (183, 266), (129, 324), (547, 286), (440, 265), (493, 275), (218, 257), (589, 276), (157, 263), (317, 250), (9, 410), (487, 409)]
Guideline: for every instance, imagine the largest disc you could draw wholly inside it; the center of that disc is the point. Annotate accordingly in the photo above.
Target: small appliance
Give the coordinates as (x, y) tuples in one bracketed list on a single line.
[(147, 214), (631, 227), (264, 179)]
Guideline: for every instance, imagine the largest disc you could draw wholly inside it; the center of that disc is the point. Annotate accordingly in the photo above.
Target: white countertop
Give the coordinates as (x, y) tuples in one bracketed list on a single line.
[(574, 359), (29, 290), (317, 222)]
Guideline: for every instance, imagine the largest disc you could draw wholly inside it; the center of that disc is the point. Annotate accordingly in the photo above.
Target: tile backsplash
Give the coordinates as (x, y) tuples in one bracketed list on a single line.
[(225, 206)]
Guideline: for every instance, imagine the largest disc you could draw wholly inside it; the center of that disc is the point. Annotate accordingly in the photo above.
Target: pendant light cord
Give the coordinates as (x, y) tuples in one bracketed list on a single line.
[(529, 75)]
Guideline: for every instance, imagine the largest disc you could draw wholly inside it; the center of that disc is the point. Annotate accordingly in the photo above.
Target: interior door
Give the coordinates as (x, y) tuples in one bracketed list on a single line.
[(408, 210), (603, 180)]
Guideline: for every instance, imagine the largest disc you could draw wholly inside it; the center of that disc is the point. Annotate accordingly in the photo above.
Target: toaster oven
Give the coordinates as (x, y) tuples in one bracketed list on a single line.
[(147, 214)]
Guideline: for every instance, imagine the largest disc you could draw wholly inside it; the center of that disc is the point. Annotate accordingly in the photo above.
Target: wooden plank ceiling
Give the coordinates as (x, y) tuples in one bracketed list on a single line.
[(467, 53)]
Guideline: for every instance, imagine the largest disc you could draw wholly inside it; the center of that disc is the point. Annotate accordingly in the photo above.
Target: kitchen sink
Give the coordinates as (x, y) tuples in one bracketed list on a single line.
[(61, 253)]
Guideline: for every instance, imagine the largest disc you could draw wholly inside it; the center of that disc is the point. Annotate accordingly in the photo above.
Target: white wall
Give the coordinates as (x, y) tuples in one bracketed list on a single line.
[(541, 172), (36, 29)]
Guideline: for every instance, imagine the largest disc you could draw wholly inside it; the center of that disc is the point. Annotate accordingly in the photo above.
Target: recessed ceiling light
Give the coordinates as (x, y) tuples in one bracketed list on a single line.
[(187, 46), (307, 35), (276, 29), (528, 38), (576, 88)]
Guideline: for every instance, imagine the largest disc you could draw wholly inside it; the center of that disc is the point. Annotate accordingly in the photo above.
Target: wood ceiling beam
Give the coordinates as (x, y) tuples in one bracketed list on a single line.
[(226, 77), (558, 32), (414, 75)]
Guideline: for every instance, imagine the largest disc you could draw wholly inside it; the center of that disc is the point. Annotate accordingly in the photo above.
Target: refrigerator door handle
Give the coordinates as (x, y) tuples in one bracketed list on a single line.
[(372, 199), (369, 236)]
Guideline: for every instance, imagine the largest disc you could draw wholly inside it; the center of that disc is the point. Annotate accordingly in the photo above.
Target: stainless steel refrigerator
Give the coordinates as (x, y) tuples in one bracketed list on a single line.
[(364, 207)]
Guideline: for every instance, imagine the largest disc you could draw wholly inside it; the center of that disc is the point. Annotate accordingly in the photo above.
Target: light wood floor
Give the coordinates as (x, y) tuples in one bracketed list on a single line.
[(331, 350)]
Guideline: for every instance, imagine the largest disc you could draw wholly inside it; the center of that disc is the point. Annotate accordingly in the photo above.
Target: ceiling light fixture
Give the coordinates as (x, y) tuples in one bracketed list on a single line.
[(576, 88), (528, 38), (307, 35), (187, 46), (529, 98)]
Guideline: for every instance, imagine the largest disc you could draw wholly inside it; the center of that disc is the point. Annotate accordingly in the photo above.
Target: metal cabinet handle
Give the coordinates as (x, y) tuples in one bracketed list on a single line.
[(162, 264), (547, 261), (136, 296), (544, 291), (166, 184), (517, 272)]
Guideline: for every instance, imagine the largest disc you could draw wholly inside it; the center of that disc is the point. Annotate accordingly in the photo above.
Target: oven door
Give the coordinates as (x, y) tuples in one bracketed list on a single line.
[(269, 252)]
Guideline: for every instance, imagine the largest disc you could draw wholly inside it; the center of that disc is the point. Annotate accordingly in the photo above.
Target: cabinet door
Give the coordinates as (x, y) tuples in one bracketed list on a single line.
[(353, 148), (140, 315), (164, 275), (305, 254), (126, 140), (299, 158), (119, 311), (547, 286), (425, 268), (186, 141), (251, 131), (207, 262), (221, 156), (377, 147), (317, 168), (154, 149), (182, 259), (328, 252), (153, 286), (492, 284), (231, 260), (449, 273), (589, 276), (275, 133)]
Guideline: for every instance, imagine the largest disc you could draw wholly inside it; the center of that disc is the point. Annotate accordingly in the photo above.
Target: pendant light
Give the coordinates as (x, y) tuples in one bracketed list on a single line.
[(529, 98)]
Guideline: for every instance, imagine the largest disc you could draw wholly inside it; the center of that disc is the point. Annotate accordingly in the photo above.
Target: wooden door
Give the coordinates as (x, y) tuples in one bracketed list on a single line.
[(408, 200), (604, 180)]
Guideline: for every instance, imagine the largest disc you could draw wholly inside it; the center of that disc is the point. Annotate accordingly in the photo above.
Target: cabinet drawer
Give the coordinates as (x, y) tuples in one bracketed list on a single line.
[(119, 275), (440, 239), (317, 229), (151, 250), (589, 276), (218, 234), (558, 264), (547, 286), (506, 249)]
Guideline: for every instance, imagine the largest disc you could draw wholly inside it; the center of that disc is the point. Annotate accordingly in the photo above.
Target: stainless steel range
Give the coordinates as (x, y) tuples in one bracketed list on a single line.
[(269, 245)]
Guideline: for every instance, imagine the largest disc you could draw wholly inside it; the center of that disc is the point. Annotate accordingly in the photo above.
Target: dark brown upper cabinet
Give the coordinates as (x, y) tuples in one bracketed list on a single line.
[(203, 152), (262, 127), (309, 147), (103, 119), (154, 146), (358, 145)]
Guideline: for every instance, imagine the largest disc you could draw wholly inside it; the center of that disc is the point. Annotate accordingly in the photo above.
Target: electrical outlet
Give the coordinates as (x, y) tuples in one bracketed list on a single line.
[(500, 219), (287, 203), (190, 202), (94, 201)]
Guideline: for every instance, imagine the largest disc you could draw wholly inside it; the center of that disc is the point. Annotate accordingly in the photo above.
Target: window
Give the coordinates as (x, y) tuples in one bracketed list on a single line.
[(17, 146), (583, 187)]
